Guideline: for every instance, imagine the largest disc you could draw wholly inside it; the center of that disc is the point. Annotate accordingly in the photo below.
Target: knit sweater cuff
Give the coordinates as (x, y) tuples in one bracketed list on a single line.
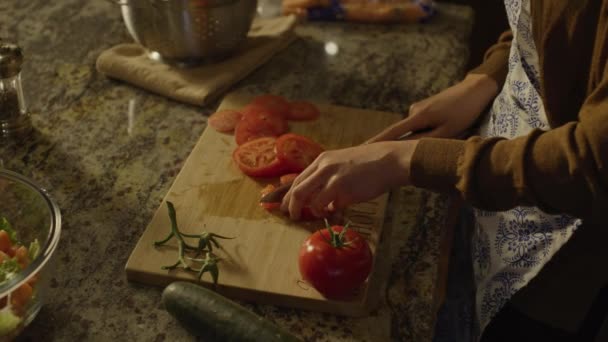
[(434, 165)]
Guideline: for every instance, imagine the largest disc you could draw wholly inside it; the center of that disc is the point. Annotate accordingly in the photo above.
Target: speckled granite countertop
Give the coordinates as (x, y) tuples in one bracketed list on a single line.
[(108, 171)]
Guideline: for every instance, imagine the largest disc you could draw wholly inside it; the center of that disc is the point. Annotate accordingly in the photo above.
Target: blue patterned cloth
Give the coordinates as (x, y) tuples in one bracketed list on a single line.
[(509, 248), (335, 10)]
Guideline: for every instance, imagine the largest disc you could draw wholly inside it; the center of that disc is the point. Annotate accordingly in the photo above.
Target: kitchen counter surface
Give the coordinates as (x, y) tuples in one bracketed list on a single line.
[(108, 170)]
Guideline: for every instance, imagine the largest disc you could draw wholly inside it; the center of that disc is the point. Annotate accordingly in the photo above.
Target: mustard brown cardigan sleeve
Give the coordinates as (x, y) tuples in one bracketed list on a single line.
[(496, 59), (563, 170)]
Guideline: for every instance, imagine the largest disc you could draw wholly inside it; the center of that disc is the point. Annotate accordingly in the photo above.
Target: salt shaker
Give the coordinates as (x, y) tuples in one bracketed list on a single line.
[(14, 117)]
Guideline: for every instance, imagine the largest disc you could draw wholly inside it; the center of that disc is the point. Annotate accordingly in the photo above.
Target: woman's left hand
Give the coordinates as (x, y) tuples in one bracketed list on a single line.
[(339, 178)]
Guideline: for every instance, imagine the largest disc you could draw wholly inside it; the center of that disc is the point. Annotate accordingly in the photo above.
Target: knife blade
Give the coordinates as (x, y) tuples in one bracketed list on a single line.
[(276, 195)]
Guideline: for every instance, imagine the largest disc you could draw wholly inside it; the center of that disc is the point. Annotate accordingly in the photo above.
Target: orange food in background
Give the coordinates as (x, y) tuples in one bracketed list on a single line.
[(5, 241), (33, 279), (380, 11), (22, 257), (21, 296), (4, 256)]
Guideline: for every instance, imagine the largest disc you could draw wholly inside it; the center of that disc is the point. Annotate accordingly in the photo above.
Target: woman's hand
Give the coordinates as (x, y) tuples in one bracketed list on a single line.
[(448, 114), (341, 177), (357, 174)]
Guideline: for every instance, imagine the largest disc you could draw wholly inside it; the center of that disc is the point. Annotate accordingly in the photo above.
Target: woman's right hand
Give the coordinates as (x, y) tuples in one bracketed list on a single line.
[(448, 114)]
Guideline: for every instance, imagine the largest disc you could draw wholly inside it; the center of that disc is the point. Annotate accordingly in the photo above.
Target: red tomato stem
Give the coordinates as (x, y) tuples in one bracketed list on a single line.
[(336, 240)]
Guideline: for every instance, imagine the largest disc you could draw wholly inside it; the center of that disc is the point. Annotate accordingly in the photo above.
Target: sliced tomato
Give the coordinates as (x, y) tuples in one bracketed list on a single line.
[(225, 120), (306, 215), (288, 178), (257, 114), (254, 108), (270, 206), (297, 151), (267, 189), (274, 103), (257, 158), (257, 123), (302, 110)]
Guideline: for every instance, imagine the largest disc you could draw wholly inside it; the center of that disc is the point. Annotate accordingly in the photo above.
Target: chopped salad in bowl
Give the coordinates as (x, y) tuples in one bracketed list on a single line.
[(30, 225)]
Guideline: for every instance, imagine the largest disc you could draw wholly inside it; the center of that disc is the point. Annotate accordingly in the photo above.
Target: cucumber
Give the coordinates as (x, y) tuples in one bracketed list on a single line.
[(213, 317)]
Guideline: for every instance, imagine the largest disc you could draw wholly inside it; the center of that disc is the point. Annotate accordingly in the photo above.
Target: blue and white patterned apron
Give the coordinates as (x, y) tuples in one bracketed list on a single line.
[(510, 247)]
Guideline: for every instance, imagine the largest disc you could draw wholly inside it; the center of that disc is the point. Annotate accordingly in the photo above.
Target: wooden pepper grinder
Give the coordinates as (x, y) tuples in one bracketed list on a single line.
[(14, 117)]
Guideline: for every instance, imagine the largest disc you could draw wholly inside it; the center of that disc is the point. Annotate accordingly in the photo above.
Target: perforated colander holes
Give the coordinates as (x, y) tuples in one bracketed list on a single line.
[(161, 20), (224, 26), (213, 27), (214, 33), (217, 27), (200, 22)]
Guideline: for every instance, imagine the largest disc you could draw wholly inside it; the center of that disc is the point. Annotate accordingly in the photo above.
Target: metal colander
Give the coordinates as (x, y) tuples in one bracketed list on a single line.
[(189, 31)]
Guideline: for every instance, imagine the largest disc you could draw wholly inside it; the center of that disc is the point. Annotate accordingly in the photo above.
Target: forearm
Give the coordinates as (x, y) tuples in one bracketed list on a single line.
[(483, 89), (561, 171)]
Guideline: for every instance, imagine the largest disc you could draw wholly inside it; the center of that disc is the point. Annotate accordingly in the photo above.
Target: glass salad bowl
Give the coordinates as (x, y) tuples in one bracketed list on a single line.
[(30, 225)]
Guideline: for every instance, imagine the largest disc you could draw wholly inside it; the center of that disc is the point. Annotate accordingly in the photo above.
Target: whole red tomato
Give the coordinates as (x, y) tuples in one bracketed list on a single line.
[(335, 261)]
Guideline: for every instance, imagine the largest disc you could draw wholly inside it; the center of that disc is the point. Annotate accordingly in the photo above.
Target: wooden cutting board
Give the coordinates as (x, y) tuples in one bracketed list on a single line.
[(261, 263)]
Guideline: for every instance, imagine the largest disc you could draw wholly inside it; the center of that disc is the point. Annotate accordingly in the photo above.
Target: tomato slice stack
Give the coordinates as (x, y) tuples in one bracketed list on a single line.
[(258, 122), (258, 158), (265, 149), (225, 120), (297, 151), (302, 110), (274, 103), (271, 157)]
